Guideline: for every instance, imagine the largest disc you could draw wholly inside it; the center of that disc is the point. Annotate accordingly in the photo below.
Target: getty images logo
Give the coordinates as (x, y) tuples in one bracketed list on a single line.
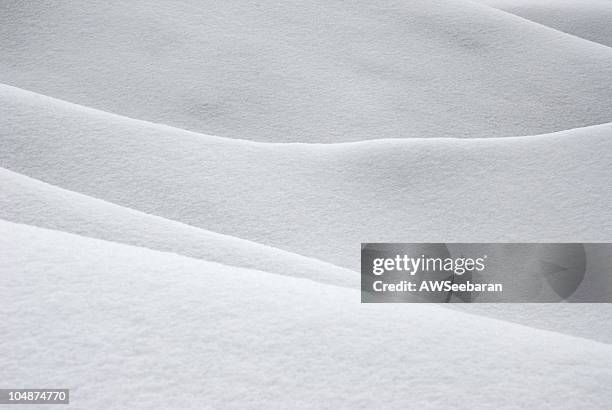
[(477, 272), (411, 265)]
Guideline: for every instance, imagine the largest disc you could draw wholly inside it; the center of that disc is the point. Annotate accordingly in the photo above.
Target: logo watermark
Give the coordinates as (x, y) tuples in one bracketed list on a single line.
[(486, 272)]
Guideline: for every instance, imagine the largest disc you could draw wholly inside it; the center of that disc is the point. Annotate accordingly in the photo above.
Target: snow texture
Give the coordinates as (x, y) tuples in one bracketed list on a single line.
[(309, 71), (184, 186), (321, 200), (588, 19), (136, 328)]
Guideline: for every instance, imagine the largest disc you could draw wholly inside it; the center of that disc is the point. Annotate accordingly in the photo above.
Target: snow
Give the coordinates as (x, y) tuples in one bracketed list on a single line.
[(321, 200), (588, 19), (32, 202), (537, 189), (315, 71), (135, 328), (184, 187), (29, 201)]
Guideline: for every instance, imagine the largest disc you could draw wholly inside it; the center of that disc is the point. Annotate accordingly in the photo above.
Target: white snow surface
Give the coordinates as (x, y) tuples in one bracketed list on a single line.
[(29, 201), (184, 186), (309, 71), (136, 328), (321, 200), (537, 188), (588, 19)]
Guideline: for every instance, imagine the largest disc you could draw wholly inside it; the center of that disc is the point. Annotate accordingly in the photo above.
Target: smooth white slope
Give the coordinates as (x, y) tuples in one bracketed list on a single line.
[(588, 19), (321, 70), (26, 200), (320, 200), (32, 202), (129, 327)]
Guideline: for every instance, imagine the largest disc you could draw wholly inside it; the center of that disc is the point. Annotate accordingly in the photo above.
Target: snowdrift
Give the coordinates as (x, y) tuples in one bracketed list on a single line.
[(588, 19), (124, 326), (32, 202), (146, 263), (316, 71), (320, 200), (314, 200), (26, 200)]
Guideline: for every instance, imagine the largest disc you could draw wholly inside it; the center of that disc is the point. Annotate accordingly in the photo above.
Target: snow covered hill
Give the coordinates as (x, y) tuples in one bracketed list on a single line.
[(26, 200), (184, 186), (136, 328), (32, 202), (309, 71), (320, 200), (588, 19)]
